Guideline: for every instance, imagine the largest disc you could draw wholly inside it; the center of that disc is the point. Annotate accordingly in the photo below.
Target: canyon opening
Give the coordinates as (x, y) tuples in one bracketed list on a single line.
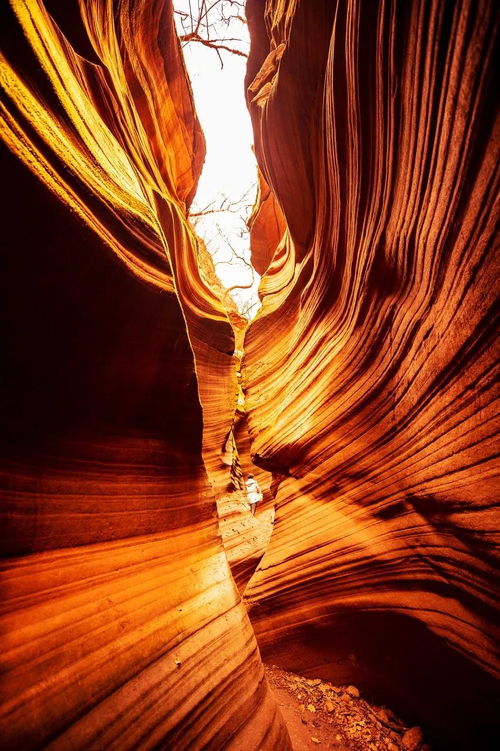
[(249, 400), (215, 45)]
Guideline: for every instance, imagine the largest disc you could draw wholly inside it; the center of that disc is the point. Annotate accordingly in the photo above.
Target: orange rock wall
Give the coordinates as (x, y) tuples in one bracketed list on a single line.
[(121, 625), (374, 398)]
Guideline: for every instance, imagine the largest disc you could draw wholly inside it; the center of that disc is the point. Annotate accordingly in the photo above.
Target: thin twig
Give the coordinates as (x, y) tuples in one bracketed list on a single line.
[(195, 37)]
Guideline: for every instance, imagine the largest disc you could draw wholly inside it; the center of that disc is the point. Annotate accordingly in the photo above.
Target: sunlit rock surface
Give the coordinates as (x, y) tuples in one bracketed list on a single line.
[(121, 625), (372, 401), (368, 377), (245, 536)]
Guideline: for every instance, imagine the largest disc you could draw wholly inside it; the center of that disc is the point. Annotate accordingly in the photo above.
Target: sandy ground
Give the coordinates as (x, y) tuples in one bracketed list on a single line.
[(322, 716), (318, 715)]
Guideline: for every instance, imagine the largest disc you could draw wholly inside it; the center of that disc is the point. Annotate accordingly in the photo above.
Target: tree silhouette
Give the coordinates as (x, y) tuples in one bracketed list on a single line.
[(209, 23)]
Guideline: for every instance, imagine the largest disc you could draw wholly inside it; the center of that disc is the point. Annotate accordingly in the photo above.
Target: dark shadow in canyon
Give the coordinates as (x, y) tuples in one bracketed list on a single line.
[(363, 648)]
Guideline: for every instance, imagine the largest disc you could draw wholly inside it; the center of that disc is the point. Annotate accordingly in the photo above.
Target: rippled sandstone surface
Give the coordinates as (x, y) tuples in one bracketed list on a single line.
[(373, 403), (121, 625), (370, 409)]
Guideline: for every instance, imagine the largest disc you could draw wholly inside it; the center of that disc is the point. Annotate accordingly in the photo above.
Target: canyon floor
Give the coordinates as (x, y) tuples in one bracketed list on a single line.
[(319, 716)]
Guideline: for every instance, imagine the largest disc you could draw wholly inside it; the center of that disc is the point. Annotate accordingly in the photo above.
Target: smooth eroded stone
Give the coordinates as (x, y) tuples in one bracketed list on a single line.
[(121, 624), (374, 403)]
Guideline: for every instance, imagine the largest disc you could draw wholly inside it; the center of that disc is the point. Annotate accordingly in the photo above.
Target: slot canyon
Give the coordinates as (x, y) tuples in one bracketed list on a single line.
[(142, 604)]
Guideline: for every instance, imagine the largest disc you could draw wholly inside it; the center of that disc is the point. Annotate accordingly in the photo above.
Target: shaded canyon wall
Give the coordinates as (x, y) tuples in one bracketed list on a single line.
[(373, 403), (121, 625)]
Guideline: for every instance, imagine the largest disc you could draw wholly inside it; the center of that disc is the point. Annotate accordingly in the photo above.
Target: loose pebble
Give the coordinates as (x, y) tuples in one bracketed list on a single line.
[(340, 720), (412, 739)]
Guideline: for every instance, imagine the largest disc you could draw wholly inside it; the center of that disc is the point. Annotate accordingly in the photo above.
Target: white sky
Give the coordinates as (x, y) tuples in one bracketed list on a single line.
[(230, 171)]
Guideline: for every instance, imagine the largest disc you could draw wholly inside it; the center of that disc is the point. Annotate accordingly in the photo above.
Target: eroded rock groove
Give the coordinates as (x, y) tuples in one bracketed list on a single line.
[(368, 377)]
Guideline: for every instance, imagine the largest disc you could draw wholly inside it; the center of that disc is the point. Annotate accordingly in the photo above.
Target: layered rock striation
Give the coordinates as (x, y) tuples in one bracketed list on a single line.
[(370, 411), (121, 624), (373, 403)]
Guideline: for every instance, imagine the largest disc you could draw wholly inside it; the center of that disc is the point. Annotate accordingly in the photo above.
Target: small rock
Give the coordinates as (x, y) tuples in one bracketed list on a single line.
[(382, 715), (390, 746), (352, 691), (311, 708), (314, 681), (315, 740), (329, 706), (387, 716), (178, 663), (412, 739)]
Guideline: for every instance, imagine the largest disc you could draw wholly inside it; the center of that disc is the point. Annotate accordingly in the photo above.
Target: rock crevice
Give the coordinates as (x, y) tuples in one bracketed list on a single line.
[(368, 378)]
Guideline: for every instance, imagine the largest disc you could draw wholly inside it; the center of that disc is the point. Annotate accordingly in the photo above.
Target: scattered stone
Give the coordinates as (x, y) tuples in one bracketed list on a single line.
[(315, 740), (341, 719), (412, 739), (178, 663)]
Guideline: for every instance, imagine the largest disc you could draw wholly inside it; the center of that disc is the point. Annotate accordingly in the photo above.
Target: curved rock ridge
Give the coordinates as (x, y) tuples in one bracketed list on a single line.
[(245, 536), (267, 227), (121, 624), (373, 402)]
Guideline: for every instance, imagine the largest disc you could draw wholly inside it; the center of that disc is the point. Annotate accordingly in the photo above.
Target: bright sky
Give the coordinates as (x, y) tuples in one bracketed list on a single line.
[(229, 175)]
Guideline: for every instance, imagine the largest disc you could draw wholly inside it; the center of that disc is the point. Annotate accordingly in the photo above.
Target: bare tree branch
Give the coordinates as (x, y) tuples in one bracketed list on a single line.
[(195, 37), (201, 26)]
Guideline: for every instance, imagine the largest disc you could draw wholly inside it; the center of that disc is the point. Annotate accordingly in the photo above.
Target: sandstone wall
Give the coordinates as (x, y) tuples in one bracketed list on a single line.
[(374, 399), (121, 624)]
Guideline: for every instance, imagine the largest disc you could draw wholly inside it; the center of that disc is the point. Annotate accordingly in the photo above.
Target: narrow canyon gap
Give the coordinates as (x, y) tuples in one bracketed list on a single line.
[(368, 376), (216, 57)]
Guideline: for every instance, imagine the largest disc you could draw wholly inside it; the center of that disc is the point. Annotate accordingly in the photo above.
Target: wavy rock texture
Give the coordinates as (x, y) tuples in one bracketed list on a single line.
[(374, 401), (121, 625), (245, 536)]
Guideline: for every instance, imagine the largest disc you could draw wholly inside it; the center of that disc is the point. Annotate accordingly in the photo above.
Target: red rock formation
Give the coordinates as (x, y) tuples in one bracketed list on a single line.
[(267, 227), (121, 624), (374, 398), (372, 404)]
